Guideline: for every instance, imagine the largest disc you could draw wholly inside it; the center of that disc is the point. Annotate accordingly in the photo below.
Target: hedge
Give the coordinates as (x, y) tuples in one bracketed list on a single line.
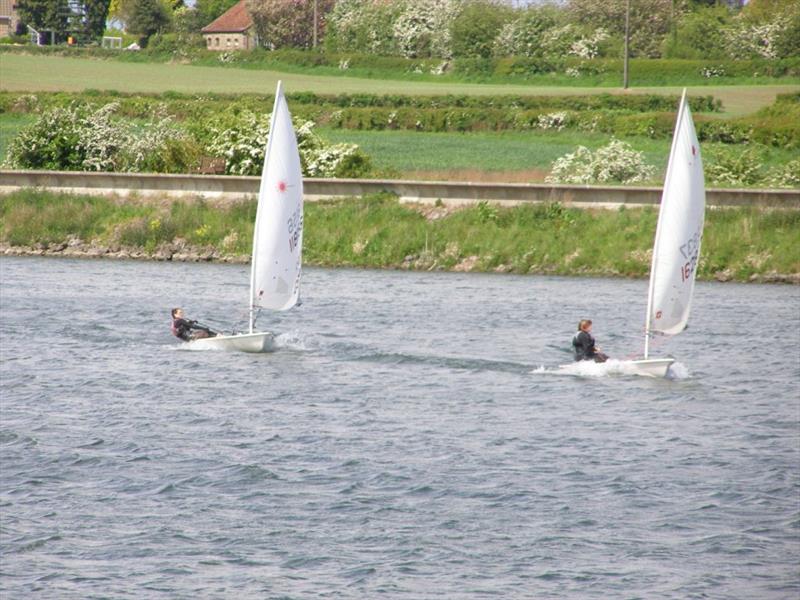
[(184, 105), (625, 116)]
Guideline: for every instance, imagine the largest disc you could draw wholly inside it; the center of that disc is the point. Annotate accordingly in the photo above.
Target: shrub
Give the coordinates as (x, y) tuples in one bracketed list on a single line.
[(338, 160), (73, 138), (733, 166), (282, 23), (423, 28), (617, 162), (785, 176), (364, 26), (243, 144), (523, 35), (176, 44), (702, 34), (81, 137)]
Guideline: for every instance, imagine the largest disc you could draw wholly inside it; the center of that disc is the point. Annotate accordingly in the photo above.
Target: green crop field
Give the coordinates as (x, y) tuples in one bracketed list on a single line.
[(524, 156), (20, 72)]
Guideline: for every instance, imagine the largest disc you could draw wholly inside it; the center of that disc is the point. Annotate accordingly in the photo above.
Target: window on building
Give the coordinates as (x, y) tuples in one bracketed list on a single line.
[(216, 41)]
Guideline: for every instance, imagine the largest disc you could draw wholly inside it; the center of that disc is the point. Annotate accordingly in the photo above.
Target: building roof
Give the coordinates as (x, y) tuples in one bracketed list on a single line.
[(235, 20)]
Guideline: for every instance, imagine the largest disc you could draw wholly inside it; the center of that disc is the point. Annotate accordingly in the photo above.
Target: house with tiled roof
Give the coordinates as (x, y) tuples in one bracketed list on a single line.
[(9, 18), (232, 30)]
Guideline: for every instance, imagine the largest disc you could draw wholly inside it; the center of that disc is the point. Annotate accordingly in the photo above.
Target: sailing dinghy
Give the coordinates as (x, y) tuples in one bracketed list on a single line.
[(677, 245), (277, 238)]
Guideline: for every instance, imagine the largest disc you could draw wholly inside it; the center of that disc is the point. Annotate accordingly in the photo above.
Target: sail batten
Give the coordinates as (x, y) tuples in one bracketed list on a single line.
[(679, 232), (278, 234)]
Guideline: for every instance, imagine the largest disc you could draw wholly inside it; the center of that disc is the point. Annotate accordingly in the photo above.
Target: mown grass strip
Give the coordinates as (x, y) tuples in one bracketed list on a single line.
[(21, 72)]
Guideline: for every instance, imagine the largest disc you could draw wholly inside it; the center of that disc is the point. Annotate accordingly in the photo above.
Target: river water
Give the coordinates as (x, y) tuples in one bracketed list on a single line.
[(412, 437)]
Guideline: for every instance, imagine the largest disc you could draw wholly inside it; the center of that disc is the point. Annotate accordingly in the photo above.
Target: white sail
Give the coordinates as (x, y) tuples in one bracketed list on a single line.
[(278, 235), (679, 232)]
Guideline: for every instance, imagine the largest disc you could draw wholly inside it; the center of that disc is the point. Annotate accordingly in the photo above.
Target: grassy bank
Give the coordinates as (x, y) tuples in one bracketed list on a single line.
[(378, 231)]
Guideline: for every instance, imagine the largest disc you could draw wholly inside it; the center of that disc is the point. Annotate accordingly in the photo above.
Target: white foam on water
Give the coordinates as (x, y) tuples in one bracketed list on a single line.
[(610, 368), (291, 340), (678, 370)]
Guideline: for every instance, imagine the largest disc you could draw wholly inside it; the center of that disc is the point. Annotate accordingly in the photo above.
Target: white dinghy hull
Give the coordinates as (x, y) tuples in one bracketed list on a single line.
[(652, 367), (245, 342)]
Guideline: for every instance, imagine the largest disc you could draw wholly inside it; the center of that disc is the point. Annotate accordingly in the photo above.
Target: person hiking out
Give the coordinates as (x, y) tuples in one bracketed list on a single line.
[(188, 330), (584, 345)]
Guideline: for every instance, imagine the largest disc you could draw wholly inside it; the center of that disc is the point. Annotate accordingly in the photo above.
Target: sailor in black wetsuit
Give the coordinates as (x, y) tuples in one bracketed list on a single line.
[(188, 330), (583, 343)]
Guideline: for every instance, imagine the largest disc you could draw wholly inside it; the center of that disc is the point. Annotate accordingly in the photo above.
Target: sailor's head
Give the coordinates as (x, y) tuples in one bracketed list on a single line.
[(177, 313), (585, 325)]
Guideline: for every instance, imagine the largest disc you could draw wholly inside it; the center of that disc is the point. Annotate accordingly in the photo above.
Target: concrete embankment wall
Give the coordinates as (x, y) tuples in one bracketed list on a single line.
[(227, 187)]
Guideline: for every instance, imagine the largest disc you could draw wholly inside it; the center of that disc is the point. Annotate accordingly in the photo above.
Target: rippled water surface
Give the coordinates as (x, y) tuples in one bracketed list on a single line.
[(411, 438)]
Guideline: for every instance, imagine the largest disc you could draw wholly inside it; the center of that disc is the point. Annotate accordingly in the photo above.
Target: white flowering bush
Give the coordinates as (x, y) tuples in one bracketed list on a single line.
[(616, 162), (746, 40), (85, 138), (588, 47), (244, 143), (712, 72), (556, 120), (364, 26), (157, 146), (423, 28), (785, 176), (523, 35), (733, 166), (558, 41), (338, 160)]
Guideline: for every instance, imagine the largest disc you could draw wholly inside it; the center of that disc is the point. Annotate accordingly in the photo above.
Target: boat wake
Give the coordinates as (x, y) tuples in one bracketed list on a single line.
[(448, 362), (610, 368), (292, 340)]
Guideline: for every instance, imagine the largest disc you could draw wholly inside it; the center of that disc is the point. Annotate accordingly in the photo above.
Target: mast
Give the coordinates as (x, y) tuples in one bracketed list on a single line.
[(278, 94), (651, 288)]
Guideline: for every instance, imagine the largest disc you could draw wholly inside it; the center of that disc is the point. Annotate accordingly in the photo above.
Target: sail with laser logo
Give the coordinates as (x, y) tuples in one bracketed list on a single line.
[(278, 234), (679, 232)]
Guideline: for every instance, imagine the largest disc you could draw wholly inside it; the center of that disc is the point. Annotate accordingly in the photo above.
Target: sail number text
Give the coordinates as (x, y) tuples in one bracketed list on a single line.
[(690, 251), (294, 225)]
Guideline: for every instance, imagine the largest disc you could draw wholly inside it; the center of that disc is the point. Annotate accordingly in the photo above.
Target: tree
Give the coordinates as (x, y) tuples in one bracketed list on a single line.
[(474, 30), (701, 34), (364, 26), (282, 23), (208, 10), (649, 20), (95, 13), (148, 17), (52, 15)]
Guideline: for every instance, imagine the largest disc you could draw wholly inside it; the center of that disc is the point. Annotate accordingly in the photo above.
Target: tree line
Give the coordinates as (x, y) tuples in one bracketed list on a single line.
[(449, 29)]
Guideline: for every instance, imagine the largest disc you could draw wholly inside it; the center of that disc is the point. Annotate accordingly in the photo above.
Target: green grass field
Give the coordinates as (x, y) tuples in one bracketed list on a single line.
[(20, 72), (506, 156), (525, 156)]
